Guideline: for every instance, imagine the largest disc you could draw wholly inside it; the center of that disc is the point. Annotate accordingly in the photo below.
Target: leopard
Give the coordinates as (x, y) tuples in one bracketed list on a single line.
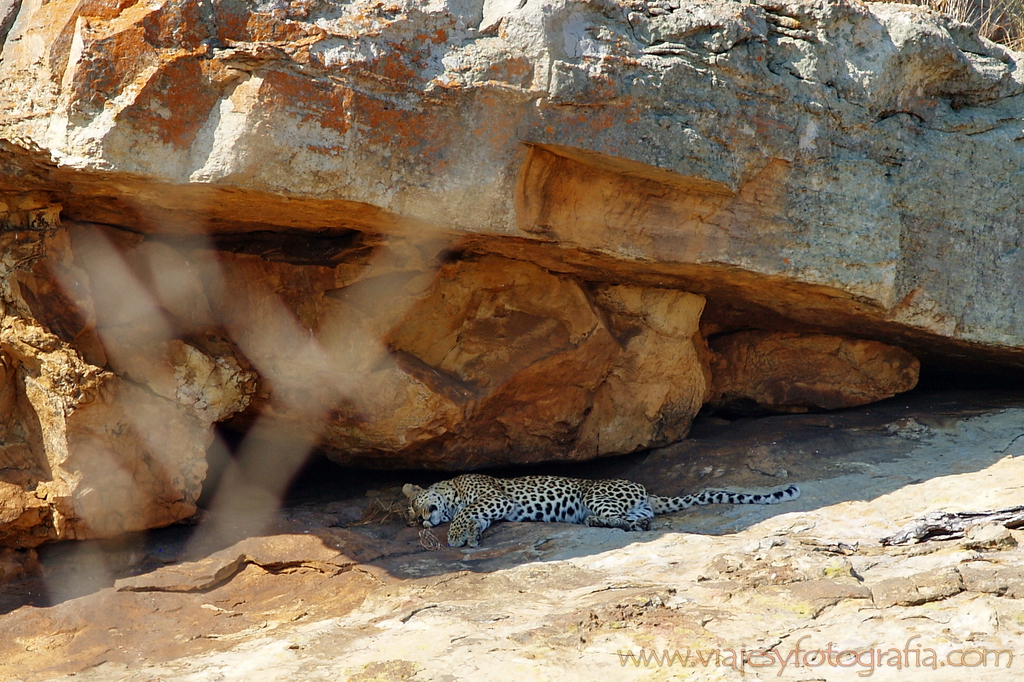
[(472, 502)]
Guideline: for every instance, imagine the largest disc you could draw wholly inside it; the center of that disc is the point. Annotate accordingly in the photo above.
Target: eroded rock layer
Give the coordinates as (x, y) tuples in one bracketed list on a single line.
[(107, 411), (807, 144), (798, 372)]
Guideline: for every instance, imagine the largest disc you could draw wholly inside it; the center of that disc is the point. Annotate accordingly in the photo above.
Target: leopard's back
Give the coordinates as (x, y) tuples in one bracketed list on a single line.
[(554, 499), (547, 498)]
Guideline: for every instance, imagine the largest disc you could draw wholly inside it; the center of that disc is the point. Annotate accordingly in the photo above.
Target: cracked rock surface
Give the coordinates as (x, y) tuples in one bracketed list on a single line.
[(832, 162), (328, 591)]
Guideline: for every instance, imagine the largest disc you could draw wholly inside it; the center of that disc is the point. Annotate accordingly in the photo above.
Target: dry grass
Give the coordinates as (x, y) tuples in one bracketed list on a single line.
[(429, 541), (1001, 21), (383, 510)]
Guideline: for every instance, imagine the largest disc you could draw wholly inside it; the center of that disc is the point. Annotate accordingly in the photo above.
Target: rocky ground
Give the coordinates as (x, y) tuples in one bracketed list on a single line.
[(340, 589)]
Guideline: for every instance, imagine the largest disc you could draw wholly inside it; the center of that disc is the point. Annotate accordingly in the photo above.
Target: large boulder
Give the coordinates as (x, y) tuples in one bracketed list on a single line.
[(800, 155), (107, 417), (791, 372), (489, 360)]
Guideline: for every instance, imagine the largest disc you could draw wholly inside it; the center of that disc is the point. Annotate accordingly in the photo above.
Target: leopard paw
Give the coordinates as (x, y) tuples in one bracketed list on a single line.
[(459, 535), (640, 524), (608, 522)]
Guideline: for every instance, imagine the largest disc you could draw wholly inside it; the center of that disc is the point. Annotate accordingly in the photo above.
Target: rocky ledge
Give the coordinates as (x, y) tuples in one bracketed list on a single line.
[(336, 587)]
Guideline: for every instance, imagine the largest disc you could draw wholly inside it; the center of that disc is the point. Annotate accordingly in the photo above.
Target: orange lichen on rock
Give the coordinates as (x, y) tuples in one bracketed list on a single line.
[(174, 103), (325, 103)]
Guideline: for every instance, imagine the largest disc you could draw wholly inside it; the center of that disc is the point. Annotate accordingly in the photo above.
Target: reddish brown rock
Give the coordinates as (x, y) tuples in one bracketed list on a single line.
[(261, 583), (790, 372), (659, 381), (497, 361), (107, 416), (488, 360), (526, 348)]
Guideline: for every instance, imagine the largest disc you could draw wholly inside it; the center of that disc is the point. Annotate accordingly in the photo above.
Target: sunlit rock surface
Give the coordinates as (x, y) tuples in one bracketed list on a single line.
[(812, 145), (339, 590)]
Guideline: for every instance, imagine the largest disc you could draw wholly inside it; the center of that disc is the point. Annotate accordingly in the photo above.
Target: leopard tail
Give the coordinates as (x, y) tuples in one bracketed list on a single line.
[(667, 505)]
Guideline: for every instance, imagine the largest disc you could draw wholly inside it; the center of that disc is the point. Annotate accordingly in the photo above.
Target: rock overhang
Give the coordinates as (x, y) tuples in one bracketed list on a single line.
[(804, 141), (811, 169)]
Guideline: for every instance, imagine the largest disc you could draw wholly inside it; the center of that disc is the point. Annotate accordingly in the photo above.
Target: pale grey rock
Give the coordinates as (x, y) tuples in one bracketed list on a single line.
[(857, 164)]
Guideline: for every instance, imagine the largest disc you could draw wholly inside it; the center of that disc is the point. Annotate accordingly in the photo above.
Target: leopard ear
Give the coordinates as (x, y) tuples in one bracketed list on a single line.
[(411, 490)]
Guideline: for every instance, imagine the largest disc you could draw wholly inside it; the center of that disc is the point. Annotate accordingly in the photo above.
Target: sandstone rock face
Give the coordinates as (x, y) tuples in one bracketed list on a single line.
[(661, 379), (526, 348), (796, 372), (107, 419), (462, 233), (823, 140), (122, 351), (490, 360)]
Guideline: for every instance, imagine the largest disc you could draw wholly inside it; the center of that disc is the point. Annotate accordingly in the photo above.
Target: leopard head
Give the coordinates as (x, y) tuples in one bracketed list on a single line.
[(429, 505)]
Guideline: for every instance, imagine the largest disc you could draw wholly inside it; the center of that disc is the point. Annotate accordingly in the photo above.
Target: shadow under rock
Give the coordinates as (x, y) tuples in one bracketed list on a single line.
[(749, 454), (359, 513)]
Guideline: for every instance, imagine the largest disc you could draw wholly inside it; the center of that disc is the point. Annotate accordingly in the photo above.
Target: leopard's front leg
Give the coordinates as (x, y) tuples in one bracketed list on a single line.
[(470, 523)]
